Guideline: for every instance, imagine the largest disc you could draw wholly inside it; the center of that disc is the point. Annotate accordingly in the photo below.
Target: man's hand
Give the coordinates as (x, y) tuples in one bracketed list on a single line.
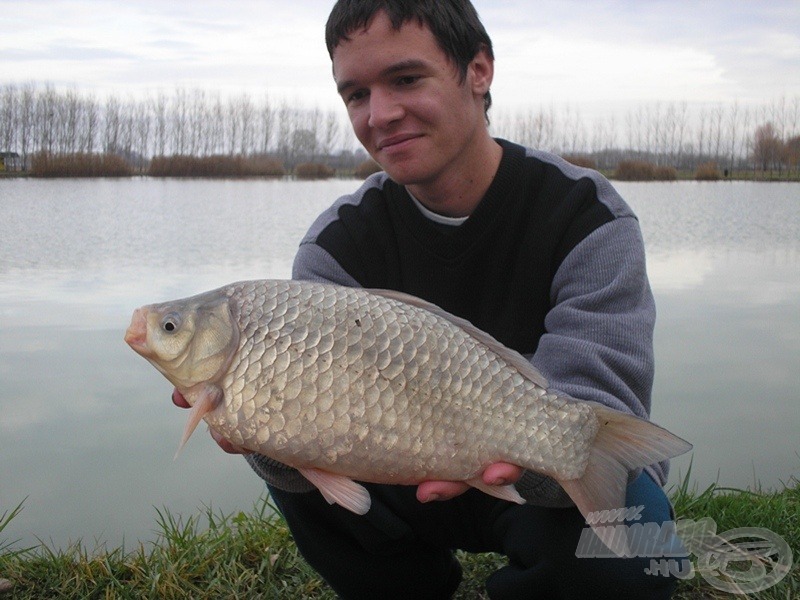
[(179, 401), (428, 491), (495, 474)]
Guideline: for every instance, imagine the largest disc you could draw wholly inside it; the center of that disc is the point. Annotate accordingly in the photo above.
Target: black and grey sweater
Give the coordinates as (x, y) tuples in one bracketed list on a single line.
[(551, 263)]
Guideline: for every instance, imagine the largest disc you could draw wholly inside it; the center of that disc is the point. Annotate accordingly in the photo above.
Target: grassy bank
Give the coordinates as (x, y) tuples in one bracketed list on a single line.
[(251, 555)]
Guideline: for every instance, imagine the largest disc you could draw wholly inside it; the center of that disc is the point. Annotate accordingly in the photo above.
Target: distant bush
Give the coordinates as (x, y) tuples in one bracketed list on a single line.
[(265, 166), (313, 171), (634, 170), (639, 170), (665, 173), (580, 160), (215, 166), (708, 172), (366, 168), (79, 165)]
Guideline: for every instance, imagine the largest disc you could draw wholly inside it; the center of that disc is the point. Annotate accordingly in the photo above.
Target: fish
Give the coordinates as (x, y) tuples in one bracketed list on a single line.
[(348, 384)]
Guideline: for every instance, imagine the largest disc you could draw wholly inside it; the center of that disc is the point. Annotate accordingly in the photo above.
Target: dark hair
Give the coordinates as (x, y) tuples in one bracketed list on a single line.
[(454, 23)]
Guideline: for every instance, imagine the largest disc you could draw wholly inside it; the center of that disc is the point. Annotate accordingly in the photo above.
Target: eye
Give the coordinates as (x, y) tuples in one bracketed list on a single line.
[(171, 323), (407, 80), (356, 96)]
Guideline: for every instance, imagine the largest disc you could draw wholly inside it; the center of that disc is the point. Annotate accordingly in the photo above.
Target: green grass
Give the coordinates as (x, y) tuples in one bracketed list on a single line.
[(775, 510), (251, 555)]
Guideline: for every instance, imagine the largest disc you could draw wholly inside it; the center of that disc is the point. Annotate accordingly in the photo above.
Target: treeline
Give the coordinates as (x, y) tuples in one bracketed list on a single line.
[(41, 122), (763, 139), (196, 132)]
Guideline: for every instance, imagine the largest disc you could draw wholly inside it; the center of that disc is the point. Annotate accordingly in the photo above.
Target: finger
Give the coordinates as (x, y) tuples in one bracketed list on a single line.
[(178, 400), (502, 474), (428, 491)]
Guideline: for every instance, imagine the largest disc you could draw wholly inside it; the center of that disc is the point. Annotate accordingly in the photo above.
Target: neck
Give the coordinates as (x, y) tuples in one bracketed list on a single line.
[(459, 192)]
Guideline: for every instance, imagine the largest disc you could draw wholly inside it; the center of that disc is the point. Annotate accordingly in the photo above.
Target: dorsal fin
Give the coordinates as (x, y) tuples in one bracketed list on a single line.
[(512, 357)]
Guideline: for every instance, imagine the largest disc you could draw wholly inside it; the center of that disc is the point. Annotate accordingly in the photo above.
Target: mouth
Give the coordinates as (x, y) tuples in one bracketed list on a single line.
[(136, 334), (396, 141)]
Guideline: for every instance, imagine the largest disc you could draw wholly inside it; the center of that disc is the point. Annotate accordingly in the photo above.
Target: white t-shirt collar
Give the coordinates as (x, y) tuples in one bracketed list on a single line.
[(435, 217)]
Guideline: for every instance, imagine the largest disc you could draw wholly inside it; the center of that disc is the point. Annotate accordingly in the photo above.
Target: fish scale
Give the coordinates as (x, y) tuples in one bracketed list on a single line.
[(373, 385), (319, 381)]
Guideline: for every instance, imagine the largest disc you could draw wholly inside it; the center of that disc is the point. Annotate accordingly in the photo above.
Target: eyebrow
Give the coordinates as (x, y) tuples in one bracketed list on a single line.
[(403, 65)]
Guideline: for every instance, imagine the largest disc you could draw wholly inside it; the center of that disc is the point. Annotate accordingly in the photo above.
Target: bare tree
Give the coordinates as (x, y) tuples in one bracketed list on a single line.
[(330, 133), (160, 124), (681, 132), (266, 124), (312, 125), (72, 110), (793, 124), (791, 153), (286, 126), (247, 117), (127, 131), (777, 114), (44, 124), (745, 144), (8, 117), (27, 116), (217, 129), (196, 122), (142, 130), (87, 136), (574, 134), (715, 131), (767, 147), (653, 128), (179, 122), (113, 125)]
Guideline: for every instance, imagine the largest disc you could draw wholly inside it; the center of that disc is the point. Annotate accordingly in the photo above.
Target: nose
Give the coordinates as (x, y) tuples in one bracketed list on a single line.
[(384, 109)]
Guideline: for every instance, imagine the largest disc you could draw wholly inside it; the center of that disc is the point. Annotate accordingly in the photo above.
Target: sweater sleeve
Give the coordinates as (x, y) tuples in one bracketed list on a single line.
[(311, 263), (602, 318)]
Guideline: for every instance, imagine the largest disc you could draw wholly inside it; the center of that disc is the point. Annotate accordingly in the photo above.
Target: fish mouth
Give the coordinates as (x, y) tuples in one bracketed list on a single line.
[(136, 334)]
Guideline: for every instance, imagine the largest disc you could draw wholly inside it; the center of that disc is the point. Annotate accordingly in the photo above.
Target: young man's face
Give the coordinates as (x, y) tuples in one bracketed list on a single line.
[(407, 103)]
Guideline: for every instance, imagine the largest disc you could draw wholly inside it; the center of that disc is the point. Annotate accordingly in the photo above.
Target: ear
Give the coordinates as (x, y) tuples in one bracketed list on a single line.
[(480, 73)]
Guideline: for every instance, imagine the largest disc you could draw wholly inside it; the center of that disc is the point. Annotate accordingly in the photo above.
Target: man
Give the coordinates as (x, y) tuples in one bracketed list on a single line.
[(543, 255)]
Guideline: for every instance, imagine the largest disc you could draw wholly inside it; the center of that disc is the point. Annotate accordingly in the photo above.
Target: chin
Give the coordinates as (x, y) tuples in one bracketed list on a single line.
[(404, 174)]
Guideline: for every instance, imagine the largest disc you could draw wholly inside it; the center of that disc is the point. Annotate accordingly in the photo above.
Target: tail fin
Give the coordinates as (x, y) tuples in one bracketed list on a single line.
[(623, 443)]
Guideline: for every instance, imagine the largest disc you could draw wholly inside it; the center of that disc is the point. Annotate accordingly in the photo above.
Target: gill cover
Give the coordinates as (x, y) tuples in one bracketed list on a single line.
[(191, 341)]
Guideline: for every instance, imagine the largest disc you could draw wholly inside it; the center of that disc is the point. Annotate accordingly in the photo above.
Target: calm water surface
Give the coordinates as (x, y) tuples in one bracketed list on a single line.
[(87, 430)]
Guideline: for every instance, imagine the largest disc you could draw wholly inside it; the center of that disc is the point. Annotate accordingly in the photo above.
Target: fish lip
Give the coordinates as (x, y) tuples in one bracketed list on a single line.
[(138, 344), (136, 334)]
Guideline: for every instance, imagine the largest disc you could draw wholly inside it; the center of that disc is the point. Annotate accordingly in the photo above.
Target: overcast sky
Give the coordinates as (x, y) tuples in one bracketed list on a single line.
[(595, 56)]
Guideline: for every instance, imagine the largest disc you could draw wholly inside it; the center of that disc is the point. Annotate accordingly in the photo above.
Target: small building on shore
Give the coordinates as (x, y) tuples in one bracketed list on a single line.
[(10, 161)]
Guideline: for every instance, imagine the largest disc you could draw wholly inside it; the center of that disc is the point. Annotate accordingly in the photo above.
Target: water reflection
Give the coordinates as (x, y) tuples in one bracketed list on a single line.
[(88, 431)]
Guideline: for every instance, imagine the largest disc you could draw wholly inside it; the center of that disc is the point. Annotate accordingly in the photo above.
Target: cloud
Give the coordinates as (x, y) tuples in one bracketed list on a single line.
[(586, 52), (587, 70)]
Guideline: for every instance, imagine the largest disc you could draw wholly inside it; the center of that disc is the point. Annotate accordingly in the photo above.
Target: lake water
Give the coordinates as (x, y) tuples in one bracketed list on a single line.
[(87, 429)]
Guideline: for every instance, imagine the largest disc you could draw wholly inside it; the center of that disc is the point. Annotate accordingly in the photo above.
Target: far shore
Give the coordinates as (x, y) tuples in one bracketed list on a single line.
[(680, 176)]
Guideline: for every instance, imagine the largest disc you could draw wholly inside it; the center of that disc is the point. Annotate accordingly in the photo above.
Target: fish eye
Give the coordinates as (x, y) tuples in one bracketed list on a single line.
[(171, 323)]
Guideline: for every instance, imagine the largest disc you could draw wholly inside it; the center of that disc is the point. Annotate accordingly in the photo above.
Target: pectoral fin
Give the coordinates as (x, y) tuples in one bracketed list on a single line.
[(208, 398), (504, 492), (337, 489)]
